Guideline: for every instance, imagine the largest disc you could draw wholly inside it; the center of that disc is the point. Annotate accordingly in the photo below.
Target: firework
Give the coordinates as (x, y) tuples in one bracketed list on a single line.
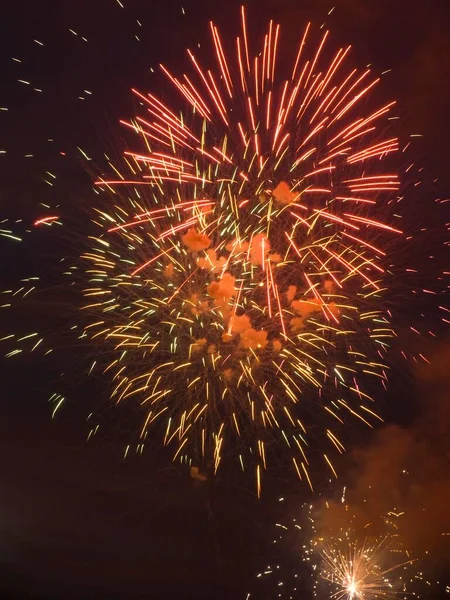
[(357, 558), (235, 273), (237, 280), (358, 571), (346, 559)]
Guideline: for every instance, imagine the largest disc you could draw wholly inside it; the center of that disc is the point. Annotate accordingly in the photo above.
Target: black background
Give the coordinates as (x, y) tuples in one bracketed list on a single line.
[(75, 520)]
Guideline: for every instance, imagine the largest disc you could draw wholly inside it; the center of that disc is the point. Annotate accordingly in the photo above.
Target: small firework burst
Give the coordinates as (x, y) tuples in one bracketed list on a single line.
[(362, 570)]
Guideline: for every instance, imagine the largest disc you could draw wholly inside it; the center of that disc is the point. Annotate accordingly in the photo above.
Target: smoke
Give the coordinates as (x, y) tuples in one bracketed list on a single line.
[(400, 481), (195, 240)]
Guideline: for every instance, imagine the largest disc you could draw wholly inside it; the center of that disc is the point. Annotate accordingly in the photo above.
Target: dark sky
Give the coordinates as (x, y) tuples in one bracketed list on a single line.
[(75, 520)]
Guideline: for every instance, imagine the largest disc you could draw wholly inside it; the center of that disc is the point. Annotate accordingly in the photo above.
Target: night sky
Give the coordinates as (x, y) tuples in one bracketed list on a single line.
[(77, 521)]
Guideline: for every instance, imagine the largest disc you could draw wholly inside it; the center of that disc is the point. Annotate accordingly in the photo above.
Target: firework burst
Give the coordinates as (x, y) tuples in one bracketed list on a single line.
[(236, 280), (345, 558), (358, 571), (236, 266)]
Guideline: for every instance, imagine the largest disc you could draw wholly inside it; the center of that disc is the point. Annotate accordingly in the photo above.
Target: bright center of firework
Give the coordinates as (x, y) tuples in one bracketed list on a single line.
[(352, 589)]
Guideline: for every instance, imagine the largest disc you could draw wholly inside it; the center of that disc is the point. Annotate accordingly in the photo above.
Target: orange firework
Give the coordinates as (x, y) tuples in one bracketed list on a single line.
[(233, 282), (236, 286)]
